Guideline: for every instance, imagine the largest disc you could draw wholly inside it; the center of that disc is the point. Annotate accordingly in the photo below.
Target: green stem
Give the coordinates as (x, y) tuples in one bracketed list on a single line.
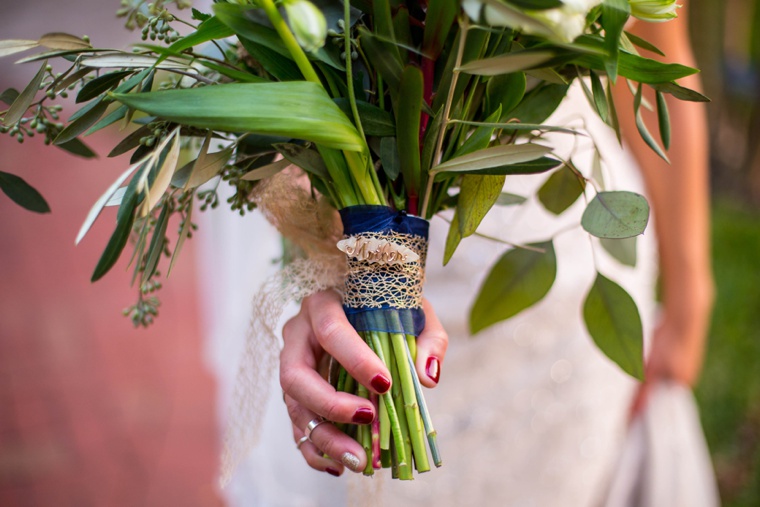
[(403, 470), (295, 50), (464, 26), (365, 434), (382, 350), (411, 342)]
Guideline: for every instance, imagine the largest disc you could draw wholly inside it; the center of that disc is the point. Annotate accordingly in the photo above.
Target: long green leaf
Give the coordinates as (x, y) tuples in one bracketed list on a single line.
[(477, 196), (642, 128), (614, 15), (438, 20), (511, 62), (25, 98), (78, 148), (613, 321), (408, 127), (100, 85), (118, 239), (618, 214), (156, 247), (210, 29), (82, 122), (495, 156), (63, 42), (640, 69), (300, 110), (22, 193), (663, 118), (518, 280), (680, 92), (11, 46)]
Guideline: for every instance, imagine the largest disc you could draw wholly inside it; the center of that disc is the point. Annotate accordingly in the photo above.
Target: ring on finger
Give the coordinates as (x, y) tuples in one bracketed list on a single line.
[(311, 426), (301, 441)]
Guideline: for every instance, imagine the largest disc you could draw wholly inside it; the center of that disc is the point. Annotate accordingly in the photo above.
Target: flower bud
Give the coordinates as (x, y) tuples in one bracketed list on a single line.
[(307, 22), (654, 11)]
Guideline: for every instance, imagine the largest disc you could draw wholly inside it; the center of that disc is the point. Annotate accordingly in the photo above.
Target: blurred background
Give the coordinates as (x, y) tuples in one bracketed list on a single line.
[(93, 412)]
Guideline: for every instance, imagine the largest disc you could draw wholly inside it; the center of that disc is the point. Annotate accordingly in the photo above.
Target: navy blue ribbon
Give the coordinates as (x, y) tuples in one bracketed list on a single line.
[(382, 219)]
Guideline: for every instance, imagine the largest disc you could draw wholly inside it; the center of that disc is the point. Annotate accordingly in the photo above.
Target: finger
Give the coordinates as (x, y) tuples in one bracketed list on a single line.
[(335, 334), (431, 348), (314, 457), (303, 383), (639, 401), (327, 438)]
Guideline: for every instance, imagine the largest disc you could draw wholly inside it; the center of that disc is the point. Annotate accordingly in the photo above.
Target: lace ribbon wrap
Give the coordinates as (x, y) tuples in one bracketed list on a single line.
[(386, 252)]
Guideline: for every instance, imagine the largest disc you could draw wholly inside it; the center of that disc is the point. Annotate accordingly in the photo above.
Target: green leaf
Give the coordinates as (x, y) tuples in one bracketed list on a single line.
[(165, 156), (481, 137), (100, 85), (518, 280), (613, 321), (638, 68), (102, 201), (596, 170), (643, 44), (283, 69), (12, 46), (496, 156), (389, 158), (82, 122), (663, 118), (453, 238), (300, 110), (505, 91), (25, 98), (641, 126), (508, 63), (118, 239), (307, 159), (624, 249), (130, 142), (133, 61), (77, 147), (382, 58), (680, 92), (536, 4), (616, 215), (63, 42), (540, 165), (408, 127), (22, 193), (210, 29), (156, 247), (266, 171), (8, 96), (561, 190), (375, 121), (439, 17), (507, 199), (600, 98), (477, 196), (614, 15), (539, 104)]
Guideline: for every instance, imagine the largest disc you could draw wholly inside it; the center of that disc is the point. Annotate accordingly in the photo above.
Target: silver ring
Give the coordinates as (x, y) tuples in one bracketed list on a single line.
[(312, 425), (301, 441)]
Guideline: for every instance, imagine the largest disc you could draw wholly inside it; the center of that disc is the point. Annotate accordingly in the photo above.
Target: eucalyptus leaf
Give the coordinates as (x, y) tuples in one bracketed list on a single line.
[(518, 280), (25, 98), (118, 239), (22, 193), (511, 62), (63, 42), (101, 202), (508, 199), (561, 190), (77, 147), (495, 156), (12, 46), (100, 85), (477, 195), (300, 110), (266, 171), (307, 159), (624, 249), (613, 321), (389, 158), (617, 214), (663, 118), (83, 122)]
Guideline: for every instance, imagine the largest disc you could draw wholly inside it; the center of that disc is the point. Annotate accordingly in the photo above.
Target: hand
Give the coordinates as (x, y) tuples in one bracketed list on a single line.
[(678, 343), (321, 328)]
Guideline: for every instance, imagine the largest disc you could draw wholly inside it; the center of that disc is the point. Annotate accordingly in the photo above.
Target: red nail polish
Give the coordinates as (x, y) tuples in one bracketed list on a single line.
[(363, 415), (433, 368), (380, 384), (332, 472)]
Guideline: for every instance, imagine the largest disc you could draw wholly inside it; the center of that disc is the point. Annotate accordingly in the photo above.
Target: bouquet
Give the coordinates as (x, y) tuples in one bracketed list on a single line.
[(394, 110)]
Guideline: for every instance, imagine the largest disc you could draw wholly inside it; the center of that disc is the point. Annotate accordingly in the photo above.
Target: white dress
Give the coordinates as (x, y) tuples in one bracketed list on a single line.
[(528, 412)]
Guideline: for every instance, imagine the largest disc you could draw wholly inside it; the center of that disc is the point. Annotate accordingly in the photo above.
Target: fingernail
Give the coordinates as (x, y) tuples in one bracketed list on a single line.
[(380, 383), (433, 368), (332, 472), (363, 415), (350, 460)]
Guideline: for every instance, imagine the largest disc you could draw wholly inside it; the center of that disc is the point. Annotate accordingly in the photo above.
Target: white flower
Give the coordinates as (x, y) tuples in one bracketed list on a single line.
[(562, 24), (655, 11), (307, 22)]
